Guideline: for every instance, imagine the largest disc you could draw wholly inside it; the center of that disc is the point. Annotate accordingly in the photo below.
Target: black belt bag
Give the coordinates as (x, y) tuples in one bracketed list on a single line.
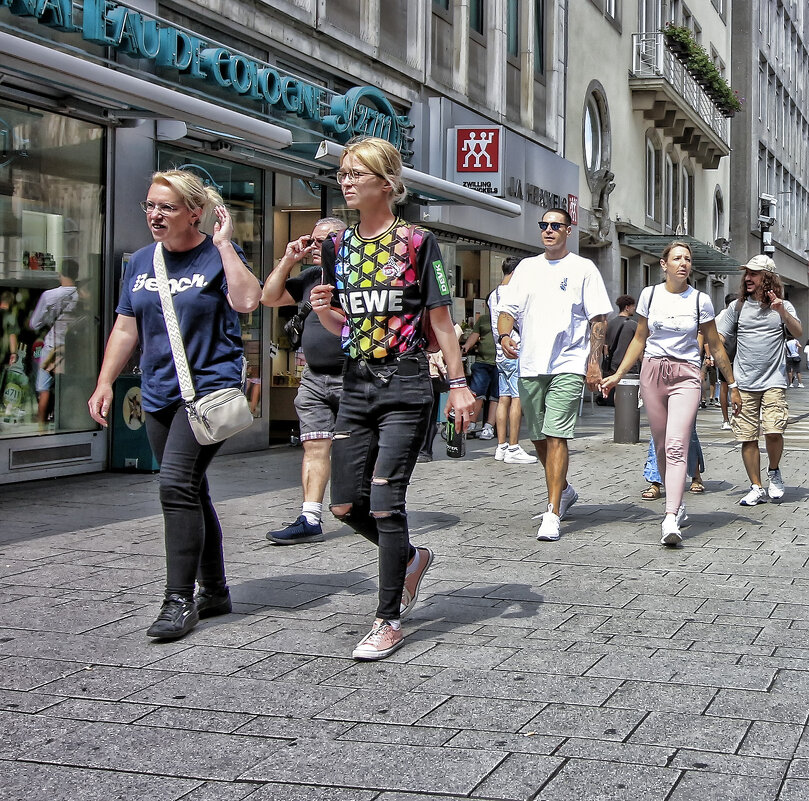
[(382, 371)]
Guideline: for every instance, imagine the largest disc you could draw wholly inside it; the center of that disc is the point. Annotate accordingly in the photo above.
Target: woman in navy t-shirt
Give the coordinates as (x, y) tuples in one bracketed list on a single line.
[(210, 284)]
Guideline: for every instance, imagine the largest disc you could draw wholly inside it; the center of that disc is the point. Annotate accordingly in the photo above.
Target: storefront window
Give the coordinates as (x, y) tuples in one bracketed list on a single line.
[(51, 233), (241, 189)]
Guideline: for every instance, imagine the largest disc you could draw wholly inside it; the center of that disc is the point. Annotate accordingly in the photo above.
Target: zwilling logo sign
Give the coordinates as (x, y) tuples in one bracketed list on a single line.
[(478, 156)]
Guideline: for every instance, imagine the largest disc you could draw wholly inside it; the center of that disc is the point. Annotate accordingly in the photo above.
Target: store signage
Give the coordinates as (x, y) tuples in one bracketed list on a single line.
[(544, 198), (478, 156), (360, 111)]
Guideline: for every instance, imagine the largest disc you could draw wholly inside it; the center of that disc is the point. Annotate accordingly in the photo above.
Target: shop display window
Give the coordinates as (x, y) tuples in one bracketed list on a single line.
[(51, 234)]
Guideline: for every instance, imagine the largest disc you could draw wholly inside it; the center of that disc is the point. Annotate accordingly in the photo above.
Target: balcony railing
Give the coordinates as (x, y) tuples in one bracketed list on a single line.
[(651, 58)]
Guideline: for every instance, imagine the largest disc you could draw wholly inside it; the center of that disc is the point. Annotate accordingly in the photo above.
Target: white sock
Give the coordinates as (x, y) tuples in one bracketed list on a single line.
[(513, 447), (395, 624), (313, 512), (414, 564)]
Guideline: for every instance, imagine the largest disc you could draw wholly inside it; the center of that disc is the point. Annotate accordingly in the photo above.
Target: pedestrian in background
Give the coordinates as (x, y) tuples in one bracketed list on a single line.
[(561, 303), (757, 325), (210, 284), (318, 396), (671, 315), (389, 281)]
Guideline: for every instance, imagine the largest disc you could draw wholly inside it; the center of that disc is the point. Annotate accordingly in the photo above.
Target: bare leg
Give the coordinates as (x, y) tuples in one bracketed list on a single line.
[(315, 469), (503, 417), (775, 447), (752, 461), (514, 420), (553, 453)]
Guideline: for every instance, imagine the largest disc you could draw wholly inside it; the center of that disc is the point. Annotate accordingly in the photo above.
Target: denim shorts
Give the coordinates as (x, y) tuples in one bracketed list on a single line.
[(485, 381), (509, 373), (550, 404), (317, 402)]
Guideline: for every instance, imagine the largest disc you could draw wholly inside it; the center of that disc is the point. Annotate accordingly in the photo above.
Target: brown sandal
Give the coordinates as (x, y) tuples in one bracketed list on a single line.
[(696, 487), (652, 492)]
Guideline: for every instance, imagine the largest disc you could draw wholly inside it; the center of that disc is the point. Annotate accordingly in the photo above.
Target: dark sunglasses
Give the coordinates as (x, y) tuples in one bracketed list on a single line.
[(555, 226)]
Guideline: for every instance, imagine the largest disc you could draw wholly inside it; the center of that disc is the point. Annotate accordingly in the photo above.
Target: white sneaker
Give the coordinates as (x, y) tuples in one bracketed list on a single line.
[(671, 531), (500, 452), (726, 426), (800, 386), (776, 488), (517, 455), (487, 433), (756, 495), (681, 517), (569, 497), (550, 529)]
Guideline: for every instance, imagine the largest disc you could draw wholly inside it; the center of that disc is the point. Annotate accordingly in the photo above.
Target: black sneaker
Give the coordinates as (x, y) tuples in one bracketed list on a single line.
[(299, 531), (211, 603), (177, 617)]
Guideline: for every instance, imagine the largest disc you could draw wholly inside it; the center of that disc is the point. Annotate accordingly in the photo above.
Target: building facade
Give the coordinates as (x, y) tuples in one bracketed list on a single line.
[(257, 98), (771, 139), (653, 145)]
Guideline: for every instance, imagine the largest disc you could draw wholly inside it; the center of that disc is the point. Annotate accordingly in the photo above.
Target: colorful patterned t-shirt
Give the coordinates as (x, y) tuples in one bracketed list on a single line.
[(384, 285)]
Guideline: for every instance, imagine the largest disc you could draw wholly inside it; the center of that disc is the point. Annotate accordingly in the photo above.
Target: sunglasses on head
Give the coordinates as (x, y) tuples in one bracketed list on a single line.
[(555, 226)]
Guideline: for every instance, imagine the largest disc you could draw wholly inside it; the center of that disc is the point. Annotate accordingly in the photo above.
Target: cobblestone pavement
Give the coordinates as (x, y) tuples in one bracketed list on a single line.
[(600, 667)]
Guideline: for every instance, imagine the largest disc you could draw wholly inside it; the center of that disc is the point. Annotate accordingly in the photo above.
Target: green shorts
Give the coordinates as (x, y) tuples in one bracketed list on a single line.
[(550, 404)]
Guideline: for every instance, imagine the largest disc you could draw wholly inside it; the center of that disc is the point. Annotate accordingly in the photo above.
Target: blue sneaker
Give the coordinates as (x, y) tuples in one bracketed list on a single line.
[(299, 531)]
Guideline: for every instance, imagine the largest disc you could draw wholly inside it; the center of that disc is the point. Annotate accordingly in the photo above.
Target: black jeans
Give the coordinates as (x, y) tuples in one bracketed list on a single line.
[(379, 430), (192, 532)]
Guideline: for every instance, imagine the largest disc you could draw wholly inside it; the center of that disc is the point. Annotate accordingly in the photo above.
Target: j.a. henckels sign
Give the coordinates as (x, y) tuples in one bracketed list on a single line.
[(544, 198), (478, 157), (361, 110)]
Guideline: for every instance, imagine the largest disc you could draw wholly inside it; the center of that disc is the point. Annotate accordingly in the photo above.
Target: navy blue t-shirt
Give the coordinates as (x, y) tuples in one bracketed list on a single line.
[(320, 347), (209, 326)]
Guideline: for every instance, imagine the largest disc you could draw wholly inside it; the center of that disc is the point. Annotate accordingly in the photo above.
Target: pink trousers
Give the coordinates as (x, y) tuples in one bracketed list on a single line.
[(671, 391)]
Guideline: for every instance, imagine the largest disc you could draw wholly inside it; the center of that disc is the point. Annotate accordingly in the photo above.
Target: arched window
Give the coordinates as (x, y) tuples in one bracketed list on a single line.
[(592, 134), (595, 135)]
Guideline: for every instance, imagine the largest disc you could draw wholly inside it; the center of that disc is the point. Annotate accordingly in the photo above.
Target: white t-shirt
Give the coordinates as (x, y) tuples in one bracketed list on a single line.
[(673, 322), (494, 312), (553, 303)]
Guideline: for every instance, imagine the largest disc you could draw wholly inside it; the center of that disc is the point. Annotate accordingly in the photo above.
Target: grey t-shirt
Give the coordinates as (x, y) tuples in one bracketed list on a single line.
[(760, 362)]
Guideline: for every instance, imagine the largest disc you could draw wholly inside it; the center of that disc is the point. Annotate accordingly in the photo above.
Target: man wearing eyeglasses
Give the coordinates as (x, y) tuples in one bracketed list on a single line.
[(321, 383), (560, 304)]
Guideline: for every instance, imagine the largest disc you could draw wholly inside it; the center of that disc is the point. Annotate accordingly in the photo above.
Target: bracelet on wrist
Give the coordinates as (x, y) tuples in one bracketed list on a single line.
[(734, 385), (457, 383)]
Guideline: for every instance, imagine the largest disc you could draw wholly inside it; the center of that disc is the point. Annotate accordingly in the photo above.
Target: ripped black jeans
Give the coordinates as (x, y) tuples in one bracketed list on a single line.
[(379, 430)]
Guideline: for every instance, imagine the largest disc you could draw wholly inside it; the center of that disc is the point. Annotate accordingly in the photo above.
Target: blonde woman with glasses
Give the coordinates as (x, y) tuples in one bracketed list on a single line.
[(210, 284)]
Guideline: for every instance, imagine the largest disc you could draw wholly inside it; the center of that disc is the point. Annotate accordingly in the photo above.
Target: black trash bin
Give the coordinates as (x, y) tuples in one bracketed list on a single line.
[(626, 427)]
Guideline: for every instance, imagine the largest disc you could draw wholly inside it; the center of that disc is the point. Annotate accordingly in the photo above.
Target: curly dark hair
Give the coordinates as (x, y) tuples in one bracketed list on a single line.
[(770, 282)]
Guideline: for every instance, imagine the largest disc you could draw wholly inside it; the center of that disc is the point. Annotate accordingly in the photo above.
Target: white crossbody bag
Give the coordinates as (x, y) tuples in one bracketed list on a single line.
[(213, 417)]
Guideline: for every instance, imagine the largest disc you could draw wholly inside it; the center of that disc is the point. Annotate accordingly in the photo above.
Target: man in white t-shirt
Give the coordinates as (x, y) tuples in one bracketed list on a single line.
[(560, 304)]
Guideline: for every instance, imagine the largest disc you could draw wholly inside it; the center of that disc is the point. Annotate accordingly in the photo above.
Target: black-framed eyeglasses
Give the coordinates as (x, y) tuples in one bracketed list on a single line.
[(164, 208), (352, 176), (555, 226)]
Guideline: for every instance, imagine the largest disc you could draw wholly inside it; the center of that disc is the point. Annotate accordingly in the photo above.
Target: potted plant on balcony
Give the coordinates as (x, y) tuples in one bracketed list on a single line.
[(679, 40)]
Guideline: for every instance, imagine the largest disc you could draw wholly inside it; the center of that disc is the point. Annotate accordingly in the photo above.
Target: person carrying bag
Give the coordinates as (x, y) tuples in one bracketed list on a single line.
[(180, 302)]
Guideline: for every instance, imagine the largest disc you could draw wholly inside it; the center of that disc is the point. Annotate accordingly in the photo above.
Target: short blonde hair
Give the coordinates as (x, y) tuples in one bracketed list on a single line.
[(190, 188), (382, 159)]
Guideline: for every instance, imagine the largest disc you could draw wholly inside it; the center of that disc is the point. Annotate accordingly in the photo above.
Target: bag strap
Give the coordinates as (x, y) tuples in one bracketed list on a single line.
[(172, 326)]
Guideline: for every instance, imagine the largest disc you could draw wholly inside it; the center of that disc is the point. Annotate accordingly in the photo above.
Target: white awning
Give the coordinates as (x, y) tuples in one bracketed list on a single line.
[(433, 188), (31, 59)]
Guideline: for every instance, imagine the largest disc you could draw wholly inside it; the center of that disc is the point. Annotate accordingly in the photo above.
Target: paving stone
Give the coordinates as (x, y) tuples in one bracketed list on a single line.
[(517, 777), (106, 683), (397, 734), (383, 706), (527, 742), (222, 791), (691, 731), (226, 694), (94, 710), (289, 728), (384, 675), (454, 655), (549, 660), (207, 659), (724, 787), (615, 752), (196, 754), (21, 673), (193, 719), (597, 723), (486, 714), (37, 782), (298, 792), (794, 790), (690, 760), (350, 764), (607, 781), (775, 705), (18, 701)]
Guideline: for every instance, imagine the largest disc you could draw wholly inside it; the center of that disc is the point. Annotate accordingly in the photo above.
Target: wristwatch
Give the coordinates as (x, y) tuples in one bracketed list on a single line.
[(500, 338)]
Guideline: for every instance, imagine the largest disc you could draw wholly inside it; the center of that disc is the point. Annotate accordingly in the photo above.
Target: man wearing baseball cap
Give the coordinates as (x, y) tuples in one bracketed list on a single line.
[(757, 325)]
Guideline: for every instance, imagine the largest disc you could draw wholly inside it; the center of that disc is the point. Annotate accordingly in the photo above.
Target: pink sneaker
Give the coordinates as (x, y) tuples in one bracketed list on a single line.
[(381, 641), (410, 593)]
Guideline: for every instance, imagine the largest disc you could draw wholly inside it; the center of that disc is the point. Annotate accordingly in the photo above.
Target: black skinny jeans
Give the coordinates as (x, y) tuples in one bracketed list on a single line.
[(377, 436), (192, 532)]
